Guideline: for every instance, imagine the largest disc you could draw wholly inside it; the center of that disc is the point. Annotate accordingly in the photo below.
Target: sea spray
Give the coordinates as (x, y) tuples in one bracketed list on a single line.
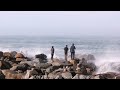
[(108, 64)]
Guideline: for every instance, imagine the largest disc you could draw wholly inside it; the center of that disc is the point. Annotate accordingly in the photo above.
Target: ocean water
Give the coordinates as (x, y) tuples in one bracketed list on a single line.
[(105, 49), (31, 45)]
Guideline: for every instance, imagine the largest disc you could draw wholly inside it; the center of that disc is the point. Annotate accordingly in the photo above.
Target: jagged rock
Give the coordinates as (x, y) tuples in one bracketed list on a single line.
[(19, 55)]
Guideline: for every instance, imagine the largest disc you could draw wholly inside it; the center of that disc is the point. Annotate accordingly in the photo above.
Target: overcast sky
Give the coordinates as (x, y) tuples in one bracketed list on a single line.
[(76, 23)]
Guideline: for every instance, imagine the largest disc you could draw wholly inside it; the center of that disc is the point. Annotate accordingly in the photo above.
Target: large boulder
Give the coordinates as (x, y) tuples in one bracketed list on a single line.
[(7, 54), (19, 55), (1, 54), (23, 67), (42, 58), (13, 53), (5, 65)]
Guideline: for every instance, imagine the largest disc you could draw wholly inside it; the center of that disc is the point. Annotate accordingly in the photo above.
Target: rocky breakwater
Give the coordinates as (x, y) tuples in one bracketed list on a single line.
[(14, 65)]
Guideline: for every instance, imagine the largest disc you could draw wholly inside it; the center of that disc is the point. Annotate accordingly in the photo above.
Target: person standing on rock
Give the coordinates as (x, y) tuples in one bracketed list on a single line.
[(72, 50), (52, 52), (66, 52)]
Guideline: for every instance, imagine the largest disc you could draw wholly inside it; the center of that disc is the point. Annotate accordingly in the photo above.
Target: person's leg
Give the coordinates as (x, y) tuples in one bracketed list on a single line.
[(73, 55), (52, 56), (66, 56)]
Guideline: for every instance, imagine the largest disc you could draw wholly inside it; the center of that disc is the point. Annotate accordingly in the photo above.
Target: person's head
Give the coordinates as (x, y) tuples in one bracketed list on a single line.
[(73, 44), (66, 45), (52, 46)]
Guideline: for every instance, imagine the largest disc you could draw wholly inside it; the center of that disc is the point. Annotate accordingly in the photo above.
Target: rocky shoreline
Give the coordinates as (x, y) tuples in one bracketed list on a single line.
[(14, 65)]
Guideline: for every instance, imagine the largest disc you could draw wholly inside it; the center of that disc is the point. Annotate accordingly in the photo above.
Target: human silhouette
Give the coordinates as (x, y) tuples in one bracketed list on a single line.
[(72, 50), (52, 52), (66, 52)]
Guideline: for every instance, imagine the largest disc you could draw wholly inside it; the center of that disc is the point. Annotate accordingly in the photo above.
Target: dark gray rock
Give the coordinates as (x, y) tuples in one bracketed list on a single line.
[(42, 58), (5, 65)]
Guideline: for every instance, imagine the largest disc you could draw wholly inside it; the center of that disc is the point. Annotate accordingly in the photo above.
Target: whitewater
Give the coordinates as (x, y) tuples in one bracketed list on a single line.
[(105, 49)]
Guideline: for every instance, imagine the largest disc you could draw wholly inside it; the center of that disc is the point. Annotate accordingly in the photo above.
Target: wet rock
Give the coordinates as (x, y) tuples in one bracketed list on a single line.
[(5, 65), (19, 55)]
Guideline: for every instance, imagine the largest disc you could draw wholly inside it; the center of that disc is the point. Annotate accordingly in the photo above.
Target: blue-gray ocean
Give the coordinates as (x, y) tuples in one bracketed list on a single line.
[(105, 49)]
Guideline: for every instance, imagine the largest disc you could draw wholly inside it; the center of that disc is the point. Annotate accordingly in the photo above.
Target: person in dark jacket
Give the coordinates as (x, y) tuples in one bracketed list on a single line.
[(66, 52), (72, 50), (52, 52)]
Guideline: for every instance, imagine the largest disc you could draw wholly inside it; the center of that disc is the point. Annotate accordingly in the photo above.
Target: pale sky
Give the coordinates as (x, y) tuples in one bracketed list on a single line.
[(76, 23)]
